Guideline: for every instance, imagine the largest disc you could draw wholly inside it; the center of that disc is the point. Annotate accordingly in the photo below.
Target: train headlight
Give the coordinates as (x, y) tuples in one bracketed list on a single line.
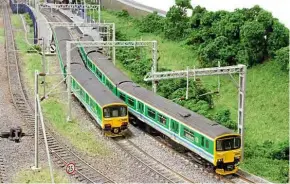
[(220, 160)]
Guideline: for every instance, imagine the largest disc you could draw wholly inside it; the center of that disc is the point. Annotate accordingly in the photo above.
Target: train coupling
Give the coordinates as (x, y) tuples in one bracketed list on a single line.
[(14, 134)]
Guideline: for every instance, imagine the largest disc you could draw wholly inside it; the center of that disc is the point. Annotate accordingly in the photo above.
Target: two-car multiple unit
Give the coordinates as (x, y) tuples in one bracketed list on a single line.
[(110, 113), (213, 142)]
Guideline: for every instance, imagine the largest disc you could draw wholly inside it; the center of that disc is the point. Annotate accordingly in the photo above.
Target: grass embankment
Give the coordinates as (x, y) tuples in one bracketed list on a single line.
[(41, 176), (54, 108), (266, 97)]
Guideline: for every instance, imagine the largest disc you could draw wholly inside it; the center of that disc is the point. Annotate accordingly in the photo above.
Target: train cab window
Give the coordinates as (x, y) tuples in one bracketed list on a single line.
[(151, 113), (219, 146), (188, 134), (206, 144), (115, 111), (122, 97), (131, 102), (162, 119), (228, 143)]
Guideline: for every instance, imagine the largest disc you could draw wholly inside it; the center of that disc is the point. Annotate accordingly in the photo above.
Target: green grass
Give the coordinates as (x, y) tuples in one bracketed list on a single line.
[(266, 109), (2, 36), (54, 108), (41, 176), (16, 21)]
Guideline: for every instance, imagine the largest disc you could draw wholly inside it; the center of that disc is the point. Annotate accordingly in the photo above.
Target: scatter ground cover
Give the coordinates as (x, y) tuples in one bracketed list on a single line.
[(54, 108), (266, 98), (41, 176)]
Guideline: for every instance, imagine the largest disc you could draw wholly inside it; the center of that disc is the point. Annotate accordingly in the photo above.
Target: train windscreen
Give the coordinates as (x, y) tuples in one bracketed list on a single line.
[(115, 111), (228, 143)]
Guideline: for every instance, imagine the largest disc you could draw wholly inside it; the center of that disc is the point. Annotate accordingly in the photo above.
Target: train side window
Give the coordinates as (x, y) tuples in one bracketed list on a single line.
[(206, 144), (188, 134), (151, 113), (122, 97), (131, 102), (162, 119), (140, 107), (202, 141)]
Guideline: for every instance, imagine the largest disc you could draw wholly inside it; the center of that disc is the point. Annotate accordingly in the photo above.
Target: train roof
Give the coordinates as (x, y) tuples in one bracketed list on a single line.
[(188, 117), (84, 77), (93, 86)]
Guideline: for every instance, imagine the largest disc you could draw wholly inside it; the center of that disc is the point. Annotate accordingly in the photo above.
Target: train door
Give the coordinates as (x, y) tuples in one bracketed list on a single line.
[(140, 107), (174, 126)]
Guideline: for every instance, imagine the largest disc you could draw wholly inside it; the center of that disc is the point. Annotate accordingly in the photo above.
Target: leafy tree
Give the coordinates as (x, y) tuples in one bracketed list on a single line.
[(252, 37), (184, 3), (223, 117), (278, 38), (282, 56), (152, 23)]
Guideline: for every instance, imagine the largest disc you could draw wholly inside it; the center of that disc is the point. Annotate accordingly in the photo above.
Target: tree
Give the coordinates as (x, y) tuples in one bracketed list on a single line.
[(184, 4), (278, 38), (282, 56), (176, 23), (252, 37), (152, 23)]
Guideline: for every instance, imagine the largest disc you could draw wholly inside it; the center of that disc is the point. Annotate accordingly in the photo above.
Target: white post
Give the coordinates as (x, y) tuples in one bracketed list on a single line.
[(187, 83), (219, 83), (36, 166), (241, 108), (68, 81), (154, 66), (114, 48), (45, 139), (99, 13)]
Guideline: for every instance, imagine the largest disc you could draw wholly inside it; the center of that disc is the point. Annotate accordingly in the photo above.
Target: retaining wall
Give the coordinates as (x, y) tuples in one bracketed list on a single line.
[(133, 8)]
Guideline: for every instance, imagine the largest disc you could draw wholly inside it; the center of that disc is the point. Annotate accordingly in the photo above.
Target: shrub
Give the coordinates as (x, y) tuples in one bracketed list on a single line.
[(152, 23)]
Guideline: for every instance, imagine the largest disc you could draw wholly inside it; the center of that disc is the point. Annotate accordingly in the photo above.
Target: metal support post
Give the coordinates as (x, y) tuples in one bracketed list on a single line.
[(68, 81), (154, 66), (114, 48), (85, 12), (187, 83), (43, 65), (45, 139), (241, 109), (99, 13), (36, 159), (219, 83)]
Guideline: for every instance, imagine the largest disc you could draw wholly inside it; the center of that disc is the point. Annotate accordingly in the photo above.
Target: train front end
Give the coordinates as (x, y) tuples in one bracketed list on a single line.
[(115, 119), (227, 154)]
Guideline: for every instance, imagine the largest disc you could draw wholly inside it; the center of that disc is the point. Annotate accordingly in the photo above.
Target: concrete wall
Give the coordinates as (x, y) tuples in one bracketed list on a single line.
[(133, 8)]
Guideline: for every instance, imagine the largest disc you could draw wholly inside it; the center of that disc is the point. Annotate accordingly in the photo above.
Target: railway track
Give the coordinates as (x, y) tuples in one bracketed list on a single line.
[(62, 155), (2, 167), (236, 178), (151, 164)]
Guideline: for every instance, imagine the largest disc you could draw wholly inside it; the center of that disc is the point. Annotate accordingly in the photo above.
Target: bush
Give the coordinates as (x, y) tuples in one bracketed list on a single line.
[(123, 13), (28, 20), (152, 23), (282, 56), (223, 117)]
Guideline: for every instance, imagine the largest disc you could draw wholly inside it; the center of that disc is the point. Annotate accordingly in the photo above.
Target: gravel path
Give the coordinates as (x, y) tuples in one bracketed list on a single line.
[(17, 156)]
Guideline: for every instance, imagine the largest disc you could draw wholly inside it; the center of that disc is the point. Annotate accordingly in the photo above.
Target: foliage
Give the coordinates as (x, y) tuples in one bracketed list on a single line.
[(183, 3), (123, 13), (152, 23), (223, 116), (28, 20), (176, 23), (282, 56)]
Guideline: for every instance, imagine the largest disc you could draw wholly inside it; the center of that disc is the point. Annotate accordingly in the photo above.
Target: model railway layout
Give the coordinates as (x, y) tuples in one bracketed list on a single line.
[(113, 101)]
